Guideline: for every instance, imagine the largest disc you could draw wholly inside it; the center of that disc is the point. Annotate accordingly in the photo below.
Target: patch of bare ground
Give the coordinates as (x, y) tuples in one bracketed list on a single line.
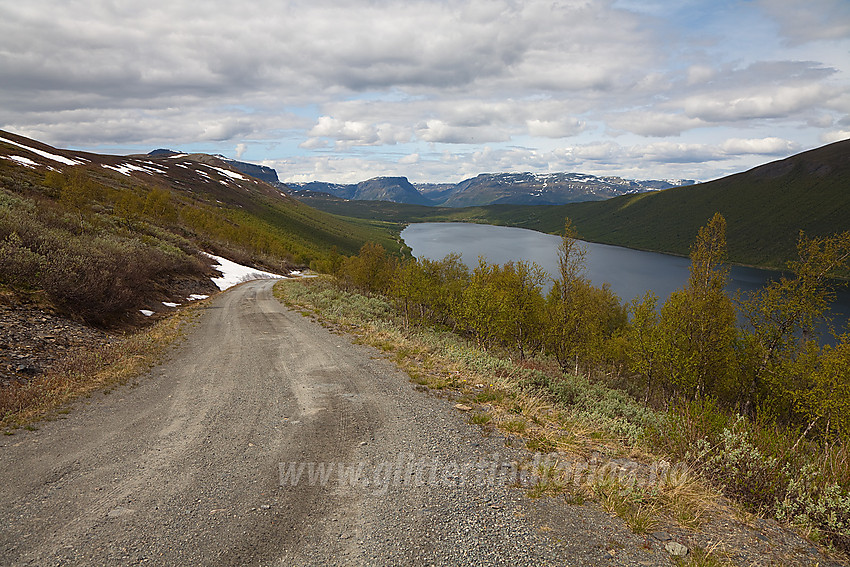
[(48, 359)]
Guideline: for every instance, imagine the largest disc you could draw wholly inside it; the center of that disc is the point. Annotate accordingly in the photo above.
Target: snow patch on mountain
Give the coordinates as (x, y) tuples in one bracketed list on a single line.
[(22, 160), (42, 153)]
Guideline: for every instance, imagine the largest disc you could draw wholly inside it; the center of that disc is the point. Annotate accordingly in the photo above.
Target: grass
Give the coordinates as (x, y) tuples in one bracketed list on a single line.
[(87, 371), (700, 557), (480, 418)]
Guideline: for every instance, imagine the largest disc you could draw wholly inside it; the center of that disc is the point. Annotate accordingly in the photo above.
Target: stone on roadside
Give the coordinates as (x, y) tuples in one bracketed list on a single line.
[(676, 549)]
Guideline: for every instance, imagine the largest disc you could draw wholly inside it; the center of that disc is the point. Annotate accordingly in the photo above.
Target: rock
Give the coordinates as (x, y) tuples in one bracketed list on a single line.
[(661, 536), (462, 407), (676, 549)]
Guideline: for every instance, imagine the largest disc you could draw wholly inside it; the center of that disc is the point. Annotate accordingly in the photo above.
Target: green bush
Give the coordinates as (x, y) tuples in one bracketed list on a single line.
[(93, 274)]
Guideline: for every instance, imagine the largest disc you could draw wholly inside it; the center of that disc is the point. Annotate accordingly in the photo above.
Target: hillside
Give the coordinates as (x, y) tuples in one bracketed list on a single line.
[(765, 208), (100, 236), (390, 189), (545, 189), (490, 188)]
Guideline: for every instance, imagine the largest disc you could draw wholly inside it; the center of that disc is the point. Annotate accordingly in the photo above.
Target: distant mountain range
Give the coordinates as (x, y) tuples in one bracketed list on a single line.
[(395, 189), (484, 189), (492, 189)]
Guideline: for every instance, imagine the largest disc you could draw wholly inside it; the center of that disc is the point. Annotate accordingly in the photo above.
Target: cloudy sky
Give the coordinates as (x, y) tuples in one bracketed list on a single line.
[(436, 90)]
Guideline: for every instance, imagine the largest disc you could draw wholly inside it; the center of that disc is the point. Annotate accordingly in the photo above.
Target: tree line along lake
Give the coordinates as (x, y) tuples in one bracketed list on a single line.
[(630, 273)]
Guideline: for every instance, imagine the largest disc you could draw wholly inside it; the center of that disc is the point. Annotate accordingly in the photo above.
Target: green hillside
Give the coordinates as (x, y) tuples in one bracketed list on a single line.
[(765, 209), (99, 237)]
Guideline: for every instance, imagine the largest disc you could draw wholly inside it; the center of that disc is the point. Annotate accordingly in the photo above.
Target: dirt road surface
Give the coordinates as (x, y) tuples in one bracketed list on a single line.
[(197, 464)]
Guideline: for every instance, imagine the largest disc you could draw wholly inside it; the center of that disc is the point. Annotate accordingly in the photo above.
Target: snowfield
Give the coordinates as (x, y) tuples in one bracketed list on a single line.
[(233, 273), (54, 157), (23, 161), (230, 174)]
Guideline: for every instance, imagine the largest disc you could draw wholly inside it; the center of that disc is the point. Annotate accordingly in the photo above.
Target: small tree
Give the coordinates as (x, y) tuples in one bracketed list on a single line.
[(697, 323), (159, 207), (517, 295), (409, 287), (823, 396), (580, 317), (370, 271), (478, 311), (782, 316), (128, 207), (77, 193), (643, 341)]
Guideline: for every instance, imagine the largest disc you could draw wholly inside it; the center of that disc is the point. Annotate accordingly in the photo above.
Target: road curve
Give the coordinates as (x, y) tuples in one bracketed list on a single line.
[(198, 464)]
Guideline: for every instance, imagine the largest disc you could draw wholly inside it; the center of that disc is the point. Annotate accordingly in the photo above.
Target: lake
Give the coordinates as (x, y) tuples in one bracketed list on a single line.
[(630, 273)]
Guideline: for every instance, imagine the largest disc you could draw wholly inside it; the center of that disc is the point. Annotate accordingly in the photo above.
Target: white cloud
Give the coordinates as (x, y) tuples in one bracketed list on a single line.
[(699, 74), (777, 103), (654, 123), (349, 133), (763, 146), (555, 128), (343, 84), (410, 159), (240, 150), (438, 131), (835, 136)]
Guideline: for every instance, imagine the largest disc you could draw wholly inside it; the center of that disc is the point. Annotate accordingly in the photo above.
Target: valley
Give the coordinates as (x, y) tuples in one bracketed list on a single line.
[(766, 208), (117, 245)]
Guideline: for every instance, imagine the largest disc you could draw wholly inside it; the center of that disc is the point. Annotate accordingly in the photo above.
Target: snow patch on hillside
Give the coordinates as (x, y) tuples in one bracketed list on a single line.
[(233, 273), (231, 174), (42, 153), (22, 160)]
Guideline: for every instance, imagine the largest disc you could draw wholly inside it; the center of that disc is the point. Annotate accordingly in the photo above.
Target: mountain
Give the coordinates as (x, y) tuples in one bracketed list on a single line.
[(261, 172), (545, 189), (492, 189), (102, 236), (765, 209), (393, 189)]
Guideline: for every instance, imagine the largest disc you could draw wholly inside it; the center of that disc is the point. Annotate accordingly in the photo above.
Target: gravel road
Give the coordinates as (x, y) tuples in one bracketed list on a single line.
[(198, 464)]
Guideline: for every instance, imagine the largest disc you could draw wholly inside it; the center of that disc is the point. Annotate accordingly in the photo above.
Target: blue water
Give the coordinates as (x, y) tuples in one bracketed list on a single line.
[(630, 273)]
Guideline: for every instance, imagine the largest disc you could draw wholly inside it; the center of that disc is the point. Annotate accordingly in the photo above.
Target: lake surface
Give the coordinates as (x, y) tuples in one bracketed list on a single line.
[(630, 273)]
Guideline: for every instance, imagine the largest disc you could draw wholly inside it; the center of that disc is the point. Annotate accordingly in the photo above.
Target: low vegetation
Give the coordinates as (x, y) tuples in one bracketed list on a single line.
[(98, 244), (759, 411), (94, 245)]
